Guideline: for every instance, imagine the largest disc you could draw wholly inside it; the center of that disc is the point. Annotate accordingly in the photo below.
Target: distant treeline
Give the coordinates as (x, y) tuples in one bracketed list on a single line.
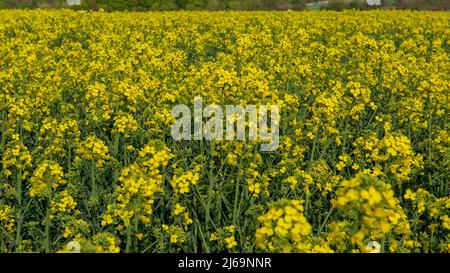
[(143, 5)]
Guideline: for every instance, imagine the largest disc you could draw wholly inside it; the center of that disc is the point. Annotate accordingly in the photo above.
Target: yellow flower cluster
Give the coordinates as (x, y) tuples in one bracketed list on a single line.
[(47, 177), (59, 135), (94, 149), (225, 236), (125, 124), (63, 203), (185, 218), (180, 183), (138, 185), (396, 151), (7, 220), (16, 156), (257, 183), (75, 228), (107, 241), (176, 234), (99, 107), (283, 227), (438, 208), (373, 203)]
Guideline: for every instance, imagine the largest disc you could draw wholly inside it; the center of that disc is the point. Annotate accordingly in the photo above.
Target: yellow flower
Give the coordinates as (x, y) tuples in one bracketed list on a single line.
[(47, 177), (230, 242), (283, 227), (94, 149)]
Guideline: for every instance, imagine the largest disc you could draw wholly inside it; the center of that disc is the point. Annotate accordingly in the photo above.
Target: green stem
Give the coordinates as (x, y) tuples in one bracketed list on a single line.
[(4, 115), (47, 229), (68, 158), (236, 193), (128, 245), (116, 155), (211, 187), (19, 211), (93, 183), (136, 224), (325, 220)]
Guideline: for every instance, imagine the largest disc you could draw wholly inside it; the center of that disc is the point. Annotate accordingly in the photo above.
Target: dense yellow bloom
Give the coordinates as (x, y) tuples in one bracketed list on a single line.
[(47, 177), (94, 149), (99, 106), (16, 156), (7, 220), (283, 227), (64, 202), (377, 210), (394, 150), (59, 135), (125, 124), (181, 183), (86, 103), (139, 183)]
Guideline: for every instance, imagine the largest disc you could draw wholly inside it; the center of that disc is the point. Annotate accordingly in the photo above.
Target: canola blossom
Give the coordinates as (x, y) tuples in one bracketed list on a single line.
[(89, 164)]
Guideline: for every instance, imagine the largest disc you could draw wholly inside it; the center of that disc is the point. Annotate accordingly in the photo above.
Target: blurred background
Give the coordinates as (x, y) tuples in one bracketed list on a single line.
[(142, 5)]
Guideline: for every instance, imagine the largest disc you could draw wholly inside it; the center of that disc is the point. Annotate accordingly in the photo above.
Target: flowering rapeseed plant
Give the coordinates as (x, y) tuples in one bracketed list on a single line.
[(88, 163)]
